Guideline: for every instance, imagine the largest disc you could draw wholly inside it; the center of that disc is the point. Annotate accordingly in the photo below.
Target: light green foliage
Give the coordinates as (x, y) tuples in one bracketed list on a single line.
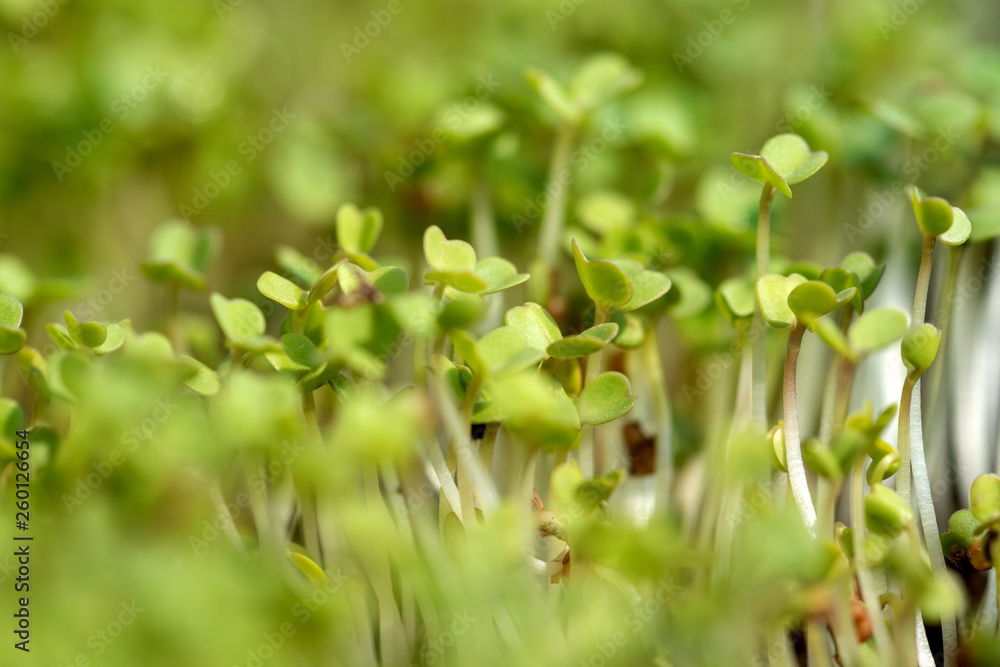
[(784, 160)]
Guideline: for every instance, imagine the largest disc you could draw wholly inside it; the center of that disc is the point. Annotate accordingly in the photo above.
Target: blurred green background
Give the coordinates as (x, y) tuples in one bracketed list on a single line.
[(264, 117)]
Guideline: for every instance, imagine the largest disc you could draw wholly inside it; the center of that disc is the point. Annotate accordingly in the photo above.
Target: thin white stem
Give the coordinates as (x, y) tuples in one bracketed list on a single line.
[(758, 396), (793, 448)]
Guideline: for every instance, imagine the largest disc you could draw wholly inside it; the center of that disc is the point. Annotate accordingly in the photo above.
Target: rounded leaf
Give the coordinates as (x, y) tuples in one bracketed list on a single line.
[(886, 513), (605, 282), (11, 311), (919, 348), (984, 498), (735, 298), (773, 291), (86, 334), (11, 340), (240, 320), (535, 324), (864, 267), (789, 155), (448, 256), (282, 290), (960, 230), (498, 274), (357, 230), (757, 168), (205, 381), (586, 343), (934, 215), (114, 340), (814, 299), (605, 398), (877, 329), (601, 78)]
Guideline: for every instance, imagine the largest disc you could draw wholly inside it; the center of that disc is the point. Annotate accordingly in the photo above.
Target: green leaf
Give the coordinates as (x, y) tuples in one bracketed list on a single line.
[(605, 398), (919, 348), (631, 331), (735, 298), (877, 329), (11, 311), (984, 498), (240, 320), (87, 334), (772, 293), (179, 254), (387, 280), (324, 284), (586, 343), (841, 279), (934, 215), (783, 161), (822, 460), (553, 94), (601, 78), (205, 381), (498, 274), (647, 286), (114, 340), (603, 212), (357, 230), (11, 340), (60, 337), (463, 282), (814, 299), (535, 324), (301, 350), (446, 256), (776, 447), (885, 462), (886, 513), (832, 336), (504, 351), (282, 290), (296, 265), (964, 542), (960, 230), (307, 567), (535, 413), (689, 295), (605, 282), (790, 156), (17, 279), (864, 267)]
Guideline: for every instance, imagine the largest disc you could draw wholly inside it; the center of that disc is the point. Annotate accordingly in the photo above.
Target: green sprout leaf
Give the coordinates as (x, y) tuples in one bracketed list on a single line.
[(115, 339), (240, 320), (498, 274), (783, 161), (984, 498), (502, 351), (537, 413), (822, 460), (631, 330), (876, 329), (604, 212), (180, 253), (647, 286), (601, 78), (814, 299), (60, 337), (326, 282), (282, 290), (841, 279), (553, 94), (919, 348), (689, 295), (205, 381), (776, 447), (605, 282), (960, 230), (387, 280), (831, 334), (357, 230), (301, 350), (86, 334), (864, 267), (964, 542), (934, 215), (887, 514), (535, 325), (606, 398), (447, 256), (772, 293), (586, 343), (11, 311), (735, 298)]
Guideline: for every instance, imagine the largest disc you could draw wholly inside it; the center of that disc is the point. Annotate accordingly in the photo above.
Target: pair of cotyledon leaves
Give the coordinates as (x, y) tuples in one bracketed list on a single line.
[(598, 80)]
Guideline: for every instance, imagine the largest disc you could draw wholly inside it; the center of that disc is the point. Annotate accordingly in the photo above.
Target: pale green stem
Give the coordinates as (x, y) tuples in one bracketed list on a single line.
[(865, 582), (816, 644), (258, 502), (593, 458), (793, 448), (664, 432), (307, 498), (555, 212), (915, 437), (399, 509), (758, 396), (173, 318)]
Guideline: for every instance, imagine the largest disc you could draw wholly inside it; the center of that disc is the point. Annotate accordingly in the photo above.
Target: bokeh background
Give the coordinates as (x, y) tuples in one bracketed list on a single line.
[(264, 117)]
